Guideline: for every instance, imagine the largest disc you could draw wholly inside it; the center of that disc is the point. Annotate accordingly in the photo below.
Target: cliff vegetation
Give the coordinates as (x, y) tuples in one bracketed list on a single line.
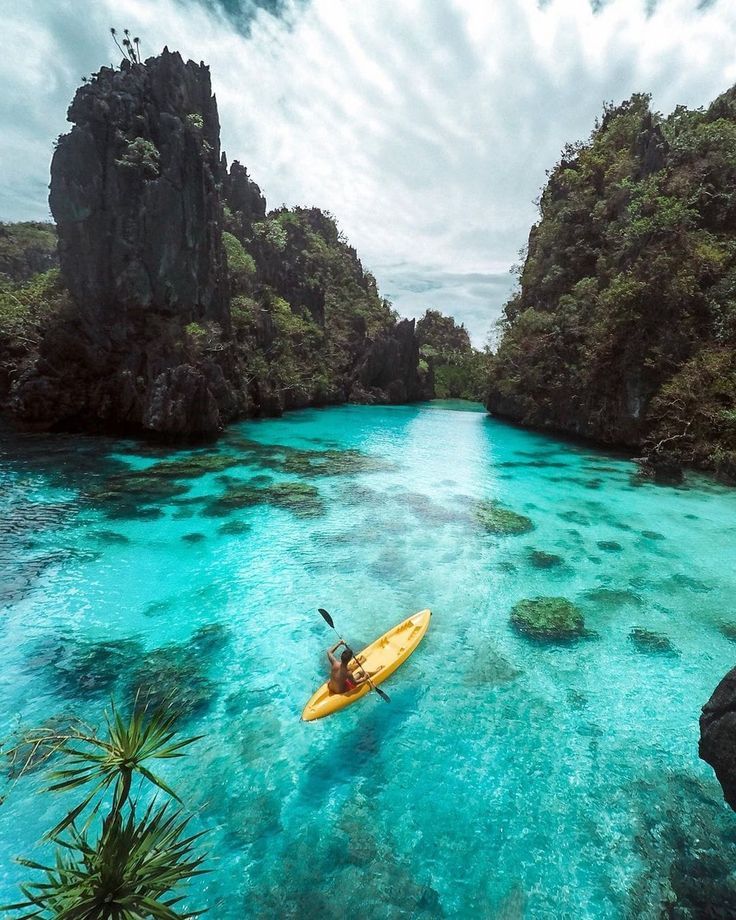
[(624, 325)]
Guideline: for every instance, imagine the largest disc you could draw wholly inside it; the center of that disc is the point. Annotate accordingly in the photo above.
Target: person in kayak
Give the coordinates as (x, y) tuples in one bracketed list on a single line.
[(342, 679)]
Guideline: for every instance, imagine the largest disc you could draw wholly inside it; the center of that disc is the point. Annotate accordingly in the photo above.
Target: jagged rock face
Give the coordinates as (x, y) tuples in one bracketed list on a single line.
[(164, 336), (134, 194), (718, 735), (243, 197), (390, 365)]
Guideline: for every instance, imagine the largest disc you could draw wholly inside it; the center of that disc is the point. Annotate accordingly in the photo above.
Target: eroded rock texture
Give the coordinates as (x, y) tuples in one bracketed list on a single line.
[(183, 304), (718, 735), (135, 195)]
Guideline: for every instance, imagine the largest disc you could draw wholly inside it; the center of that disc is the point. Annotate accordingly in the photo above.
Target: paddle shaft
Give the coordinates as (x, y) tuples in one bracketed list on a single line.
[(328, 619)]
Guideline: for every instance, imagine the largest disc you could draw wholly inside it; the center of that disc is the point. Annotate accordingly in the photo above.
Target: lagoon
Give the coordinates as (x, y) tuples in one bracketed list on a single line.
[(508, 777)]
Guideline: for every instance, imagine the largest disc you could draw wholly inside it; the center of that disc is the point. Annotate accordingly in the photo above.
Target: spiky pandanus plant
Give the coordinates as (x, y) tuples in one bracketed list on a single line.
[(123, 865)]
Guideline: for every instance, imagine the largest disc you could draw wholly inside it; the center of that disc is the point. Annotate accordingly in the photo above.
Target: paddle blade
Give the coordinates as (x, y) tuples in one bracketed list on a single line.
[(326, 617), (384, 696)]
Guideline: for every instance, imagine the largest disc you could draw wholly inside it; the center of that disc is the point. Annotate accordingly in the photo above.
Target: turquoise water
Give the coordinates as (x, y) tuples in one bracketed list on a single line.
[(507, 777)]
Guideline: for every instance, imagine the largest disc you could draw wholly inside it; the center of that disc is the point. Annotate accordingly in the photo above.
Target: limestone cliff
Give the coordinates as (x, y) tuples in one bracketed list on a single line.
[(135, 195), (624, 329), (181, 303)]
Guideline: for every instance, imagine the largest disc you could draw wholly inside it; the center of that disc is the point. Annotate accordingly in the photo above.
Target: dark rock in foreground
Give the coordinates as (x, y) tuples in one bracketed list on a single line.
[(718, 735)]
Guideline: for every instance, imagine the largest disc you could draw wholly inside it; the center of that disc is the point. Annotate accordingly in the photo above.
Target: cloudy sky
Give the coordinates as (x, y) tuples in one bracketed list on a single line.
[(424, 126)]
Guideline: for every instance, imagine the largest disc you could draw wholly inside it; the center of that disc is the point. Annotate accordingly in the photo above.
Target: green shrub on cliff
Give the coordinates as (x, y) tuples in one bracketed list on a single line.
[(624, 327), (304, 307), (26, 249), (240, 264), (25, 309)]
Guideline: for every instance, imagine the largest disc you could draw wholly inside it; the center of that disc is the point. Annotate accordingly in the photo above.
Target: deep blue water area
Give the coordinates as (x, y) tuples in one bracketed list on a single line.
[(509, 777)]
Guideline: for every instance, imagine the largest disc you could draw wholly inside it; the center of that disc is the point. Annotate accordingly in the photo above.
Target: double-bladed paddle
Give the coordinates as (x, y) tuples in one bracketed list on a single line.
[(328, 619)]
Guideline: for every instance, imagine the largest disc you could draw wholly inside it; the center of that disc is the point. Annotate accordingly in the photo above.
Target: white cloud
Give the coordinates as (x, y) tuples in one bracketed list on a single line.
[(425, 127)]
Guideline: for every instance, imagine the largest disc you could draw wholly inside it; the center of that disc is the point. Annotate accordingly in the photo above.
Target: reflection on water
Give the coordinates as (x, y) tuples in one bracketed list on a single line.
[(509, 776)]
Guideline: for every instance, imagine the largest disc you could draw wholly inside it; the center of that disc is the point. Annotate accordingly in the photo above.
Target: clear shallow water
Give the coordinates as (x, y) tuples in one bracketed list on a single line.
[(507, 778)]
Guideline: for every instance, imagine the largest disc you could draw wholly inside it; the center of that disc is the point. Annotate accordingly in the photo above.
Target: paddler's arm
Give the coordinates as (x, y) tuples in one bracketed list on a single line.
[(331, 651)]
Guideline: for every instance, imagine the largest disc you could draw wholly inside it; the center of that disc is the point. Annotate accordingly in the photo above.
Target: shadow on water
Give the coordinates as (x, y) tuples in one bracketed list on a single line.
[(357, 754)]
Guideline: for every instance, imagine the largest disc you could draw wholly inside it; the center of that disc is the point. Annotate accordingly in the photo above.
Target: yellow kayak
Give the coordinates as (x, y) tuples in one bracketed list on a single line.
[(390, 650)]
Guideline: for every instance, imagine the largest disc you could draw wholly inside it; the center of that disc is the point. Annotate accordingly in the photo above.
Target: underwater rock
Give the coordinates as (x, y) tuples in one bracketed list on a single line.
[(541, 559), (193, 537), (554, 618), (178, 673), (681, 580), (728, 630), (574, 517), (507, 567), (718, 735), (81, 667), (654, 643), (613, 597), (111, 537), (490, 669), (192, 466), (331, 463), (496, 518), (610, 546), (134, 495), (652, 535), (687, 844), (234, 528), (301, 498), (425, 508), (156, 608)]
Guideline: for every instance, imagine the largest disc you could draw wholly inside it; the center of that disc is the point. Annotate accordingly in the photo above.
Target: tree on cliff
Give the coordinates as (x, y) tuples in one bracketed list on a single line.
[(624, 326), (458, 370)]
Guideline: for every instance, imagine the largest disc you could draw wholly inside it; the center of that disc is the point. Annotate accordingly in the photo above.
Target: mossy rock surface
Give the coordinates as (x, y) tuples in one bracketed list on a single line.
[(554, 618), (301, 498), (497, 518)]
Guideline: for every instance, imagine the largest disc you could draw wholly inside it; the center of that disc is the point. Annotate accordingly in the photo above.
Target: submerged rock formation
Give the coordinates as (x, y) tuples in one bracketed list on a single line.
[(718, 735), (187, 304), (624, 329)]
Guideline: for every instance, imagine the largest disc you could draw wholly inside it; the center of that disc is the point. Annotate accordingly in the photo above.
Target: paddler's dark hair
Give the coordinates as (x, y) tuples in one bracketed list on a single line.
[(346, 657)]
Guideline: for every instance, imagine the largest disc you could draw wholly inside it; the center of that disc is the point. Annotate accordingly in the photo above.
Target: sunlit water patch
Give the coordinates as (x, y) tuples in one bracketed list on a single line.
[(515, 773)]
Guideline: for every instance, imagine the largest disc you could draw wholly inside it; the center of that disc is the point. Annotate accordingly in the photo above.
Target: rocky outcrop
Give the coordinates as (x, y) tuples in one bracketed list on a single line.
[(389, 370), (623, 329), (243, 198), (718, 735), (135, 194), (191, 305)]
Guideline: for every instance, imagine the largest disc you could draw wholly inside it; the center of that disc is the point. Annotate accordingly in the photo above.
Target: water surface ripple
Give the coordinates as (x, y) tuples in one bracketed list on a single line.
[(507, 778)]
